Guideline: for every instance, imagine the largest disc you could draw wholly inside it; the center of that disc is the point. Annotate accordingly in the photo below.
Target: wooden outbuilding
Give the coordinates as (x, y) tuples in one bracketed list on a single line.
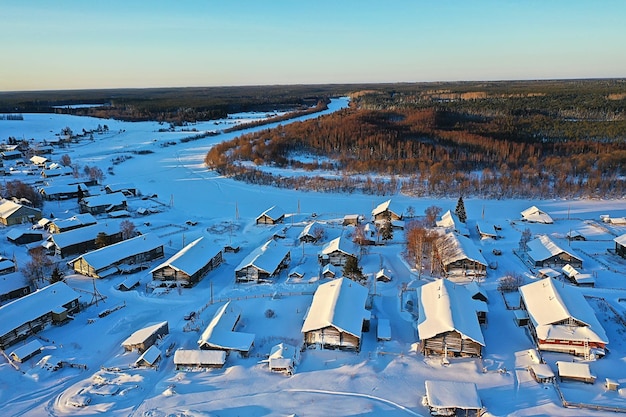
[(26, 351), (620, 245), (24, 236), (142, 339), (543, 252), (12, 213), (272, 215), (575, 371), (149, 358), (220, 334), (186, 359), (104, 203), (263, 263), (451, 398), (337, 252), (386, 210)]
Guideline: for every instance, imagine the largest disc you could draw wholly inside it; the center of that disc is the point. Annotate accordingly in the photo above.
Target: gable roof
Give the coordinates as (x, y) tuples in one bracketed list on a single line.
[(450, 220), (543, 248), (105, 257), (267, 257), (220, 333), (141, 335), (35, 305), (112, 199), (533, 214), (549, 303), (445, 306), (83, 234), (192, 258), (309, 230), (386, 205), (199, 357), (8, 208), (339, 303), (339, 244), (621, 240), (456, 247), (273, 213)]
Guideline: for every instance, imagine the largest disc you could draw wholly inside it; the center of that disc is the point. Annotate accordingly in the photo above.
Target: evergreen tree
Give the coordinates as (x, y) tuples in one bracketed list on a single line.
[(386, 230), (56, 275), (352, 270), (460, 210), (102, 240)]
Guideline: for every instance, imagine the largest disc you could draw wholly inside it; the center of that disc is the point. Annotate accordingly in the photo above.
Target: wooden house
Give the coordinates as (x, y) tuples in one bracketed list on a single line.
[(71, 223), (142, 339), (561, 320), (149, 358), (620, 245), (548, 273), (84, 239), (108, 260), (337, 316), (386, 210), (11, 155), (220, 334), (190, 264), (263, 263), (25, 352), (575, 235), (56, 170), (63, 191), (185, 359), (447, 321), (104, 203), (128, 189), (351, 220), (24, 236), (575, 371), (272, 215), (534, 215), (12, 213), (486, 230), (311, 232), (32, 313), (578, 278), (38, 160), (12, 284), (330, 272), (450, 222), (543, 252), (337, 252), (541, 372), (459, 256)]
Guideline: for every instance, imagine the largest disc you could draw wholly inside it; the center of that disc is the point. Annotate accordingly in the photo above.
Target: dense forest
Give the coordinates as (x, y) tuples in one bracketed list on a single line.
[(525, 139), (171, 105)]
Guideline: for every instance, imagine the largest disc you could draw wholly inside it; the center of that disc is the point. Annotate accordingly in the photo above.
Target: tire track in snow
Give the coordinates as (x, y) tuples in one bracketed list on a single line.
[(358, 395)]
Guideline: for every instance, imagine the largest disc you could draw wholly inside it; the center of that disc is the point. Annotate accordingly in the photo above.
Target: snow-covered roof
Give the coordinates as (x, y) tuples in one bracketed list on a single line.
[(38, 160), (141, 335), (453, 394), (543, 248), (35, 305), (450, 221), (283, 356), (542, 370), (15, 234), (77, 220), (548, 272), (8, 207), (339, 244), (445, 306), (621, 240), (113, 199), (221, 334), (150, 356), (273, 212), (104, 257), (26, 350), (549, 302), (339, 303), (83, 234), (570, 271), (456, 247), (54, 170), (381, 207), (199, 357), (329, 268), (61, 188), (192, 257), (574, 370), (267, 257), (486, 229), (534, 215), (13, 281), (120, 186), (309, 230)]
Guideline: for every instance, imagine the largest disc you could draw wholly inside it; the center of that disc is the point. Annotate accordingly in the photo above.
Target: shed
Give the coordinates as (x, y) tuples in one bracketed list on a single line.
[(27, 351), (534, 215), (220, 334), (149, 358), (284, 358), (448, 397), (142, 339), (24, 236), (272, 215), (548, 273), (521, 317), (185, 359), (351, 219), (337, 252), (575, 371), (541, 372), (611, 385), (383, 275)]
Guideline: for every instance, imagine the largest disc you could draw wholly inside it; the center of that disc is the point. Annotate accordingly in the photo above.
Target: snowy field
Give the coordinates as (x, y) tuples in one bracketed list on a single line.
[(384, 378)]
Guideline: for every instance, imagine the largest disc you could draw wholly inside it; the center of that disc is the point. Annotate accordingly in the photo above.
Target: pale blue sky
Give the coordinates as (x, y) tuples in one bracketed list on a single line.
[(73, 44)]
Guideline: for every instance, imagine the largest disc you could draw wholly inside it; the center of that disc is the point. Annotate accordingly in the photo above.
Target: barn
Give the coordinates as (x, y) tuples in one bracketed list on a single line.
[(220, 334), (190, 264), (459, 256), (104, 203), (24, 236), (447, 321), (83, 239), (12, 284), (185, 359), (561, 320), (337, 316), (107, 261)]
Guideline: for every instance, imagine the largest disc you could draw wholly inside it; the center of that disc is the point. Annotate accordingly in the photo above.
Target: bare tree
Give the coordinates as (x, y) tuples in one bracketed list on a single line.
[(128, 229), (524, 239), (432, 213), (38, 267), (66, 161)]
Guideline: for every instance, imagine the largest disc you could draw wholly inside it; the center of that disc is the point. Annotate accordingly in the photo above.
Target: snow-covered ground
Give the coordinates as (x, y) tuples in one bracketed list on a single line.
[(384, 378)]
